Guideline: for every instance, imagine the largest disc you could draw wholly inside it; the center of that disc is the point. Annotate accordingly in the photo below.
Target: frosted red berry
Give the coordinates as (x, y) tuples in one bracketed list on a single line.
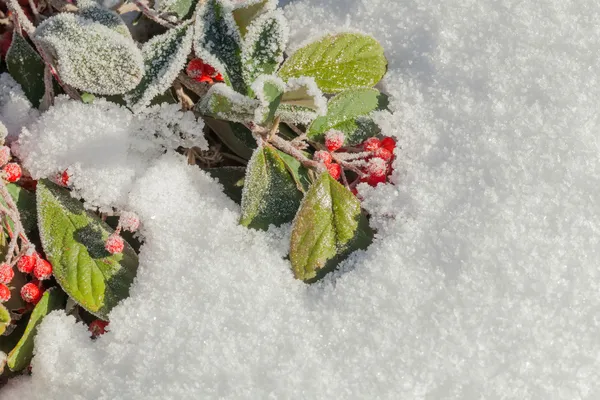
[(372, 144), (6, 273), (384, 154), (64, 178), (42, 269), (322, 156), (114, 244), (195, 68), (129, 221), (4, 293), (4, 155), (31, 293), (12, 172), (26, 264), (335, 170), (198, 70), (374, 180), (334, 140), (219, 78), (376, 167), (388, 143), (98, 327)]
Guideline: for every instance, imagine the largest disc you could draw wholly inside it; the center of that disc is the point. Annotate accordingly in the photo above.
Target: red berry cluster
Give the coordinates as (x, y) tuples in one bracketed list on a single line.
[(201, 72), (11, 171), (27, 264), (128, 221), (372, 158)]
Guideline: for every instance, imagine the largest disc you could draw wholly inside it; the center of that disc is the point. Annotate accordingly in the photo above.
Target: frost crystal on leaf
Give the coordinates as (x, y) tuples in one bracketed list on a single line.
[(263, 46), (164, 57), (90, 56), (222, 102), (93, 11), (302, 101), (268, 90), (15, 109), (245, 11)]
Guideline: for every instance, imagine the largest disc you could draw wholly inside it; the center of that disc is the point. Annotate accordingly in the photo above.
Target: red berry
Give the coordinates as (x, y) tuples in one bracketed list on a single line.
[(4, 293), (114, 244), (98, 327), (195, 68), (377, 167), (4, 155), (384, 154), (334, 140), (335, 170), (12, 172), (371, 144), (27, 263), (42, 269), (6, 273), (64, 178), (389, 144), (322, 156), (209, 70), (31, 293), (205, 78), (129, 221), (218, 78), (373, 180)]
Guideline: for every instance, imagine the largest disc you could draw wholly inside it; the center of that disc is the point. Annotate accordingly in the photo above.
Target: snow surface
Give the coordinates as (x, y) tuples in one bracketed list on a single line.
[(482, 283)]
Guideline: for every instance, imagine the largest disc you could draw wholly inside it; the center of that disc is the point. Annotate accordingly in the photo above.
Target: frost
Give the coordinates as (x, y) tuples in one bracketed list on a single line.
[(164, 57), (302, 101), (15, 109), (91, 10), (222, 102), (90, 56), (104, 146), (264, 100)]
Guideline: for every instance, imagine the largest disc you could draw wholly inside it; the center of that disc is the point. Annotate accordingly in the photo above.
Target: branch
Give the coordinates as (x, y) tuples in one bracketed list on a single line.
[(153, 15)]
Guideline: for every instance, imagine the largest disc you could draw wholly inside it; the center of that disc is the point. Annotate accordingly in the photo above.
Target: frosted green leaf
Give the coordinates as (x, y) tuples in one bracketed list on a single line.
[(91, 10), (234, 135), (349, 112), (90, 56), (268, 90), (270, 195), (339, 62), (182, 9), (164, 57), (328, 227), (246, 11), (25, 202), (73, 240), (222, 102), (302, 101), (298, 172), (263, 47), (4, 319), (20, 357), (27, 68), (218, 41)]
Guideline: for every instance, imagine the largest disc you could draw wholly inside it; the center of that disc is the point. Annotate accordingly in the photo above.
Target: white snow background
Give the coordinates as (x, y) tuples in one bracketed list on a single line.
[(482, 283)]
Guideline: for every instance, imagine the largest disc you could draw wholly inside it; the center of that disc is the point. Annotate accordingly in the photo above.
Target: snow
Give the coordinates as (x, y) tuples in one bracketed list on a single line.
[(15, 109), (483, 278)]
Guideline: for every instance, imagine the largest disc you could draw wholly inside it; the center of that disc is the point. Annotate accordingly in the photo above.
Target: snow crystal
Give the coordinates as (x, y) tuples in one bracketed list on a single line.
[(482, 281), (15, 109), (222, 102)]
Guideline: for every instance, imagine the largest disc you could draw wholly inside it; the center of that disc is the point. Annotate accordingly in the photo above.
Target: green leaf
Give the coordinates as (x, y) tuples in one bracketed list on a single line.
[(222, 102), (91, 10), (302, 101), (263, 47), (164, 57), (4, 319), (88, 98), (73, 240), (348, 112), (339, 62), (235, 136), (328, 227), (20, 357), (298, 171), (245, 12), (27, 68), (232, 180), (270, 195), (183, 9), (89, 55), (218, 41), (25, 201), (269, 91)]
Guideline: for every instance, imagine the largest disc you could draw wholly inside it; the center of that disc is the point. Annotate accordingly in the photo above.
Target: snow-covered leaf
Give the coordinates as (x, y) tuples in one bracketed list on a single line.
[(338, 62), (270, 195), (164, 57), (328, 227), (218, 41), (4, 318), (269, 91), (93, 11), (21, 355), (222, 102), (302, 101), (246, 11), (234, 135), (263, 47), (73, 240), (180, 8), (27, 68), (232, 180), (90, 56), (349, 112)]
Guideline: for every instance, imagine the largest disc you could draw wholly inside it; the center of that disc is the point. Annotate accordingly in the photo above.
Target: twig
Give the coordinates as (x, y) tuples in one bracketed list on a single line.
[(184, 99), (48, 98), (34, 10), (199, 88), (20, 19), (286, 147), (153, 15)]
